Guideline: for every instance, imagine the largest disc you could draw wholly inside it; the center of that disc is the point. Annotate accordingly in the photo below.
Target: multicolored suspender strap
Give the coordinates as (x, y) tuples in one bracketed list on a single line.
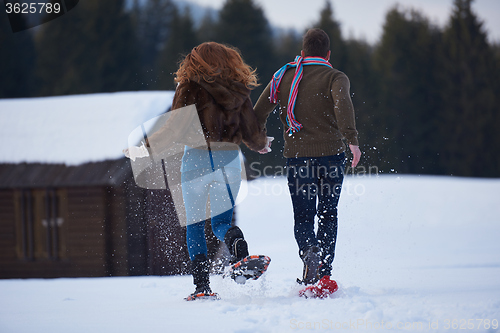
[(292, 123)]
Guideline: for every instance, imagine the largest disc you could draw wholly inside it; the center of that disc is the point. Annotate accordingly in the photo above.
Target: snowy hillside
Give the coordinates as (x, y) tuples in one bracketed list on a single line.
[(415, 254)]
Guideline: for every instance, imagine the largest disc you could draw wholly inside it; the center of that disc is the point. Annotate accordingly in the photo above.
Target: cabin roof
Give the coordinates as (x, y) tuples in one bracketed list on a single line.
[(77, 129), (72, 140)]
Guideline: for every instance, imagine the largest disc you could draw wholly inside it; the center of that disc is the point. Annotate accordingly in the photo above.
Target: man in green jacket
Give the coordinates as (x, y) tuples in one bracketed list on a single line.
[(315, 107)]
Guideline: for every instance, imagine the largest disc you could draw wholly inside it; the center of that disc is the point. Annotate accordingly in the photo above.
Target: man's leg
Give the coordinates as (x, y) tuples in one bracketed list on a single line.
[(302, 182), (303, 190), (328, 197)]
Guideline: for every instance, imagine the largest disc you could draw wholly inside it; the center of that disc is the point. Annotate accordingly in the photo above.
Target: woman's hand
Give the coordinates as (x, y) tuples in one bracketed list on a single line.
[(267, 149)]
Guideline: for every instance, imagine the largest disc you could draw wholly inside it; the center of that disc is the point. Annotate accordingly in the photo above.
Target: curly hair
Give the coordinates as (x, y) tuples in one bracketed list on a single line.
[(210, 60)]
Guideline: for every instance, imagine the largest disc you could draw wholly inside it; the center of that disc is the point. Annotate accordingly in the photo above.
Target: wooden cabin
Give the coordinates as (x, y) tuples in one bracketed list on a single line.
[(69, 206)]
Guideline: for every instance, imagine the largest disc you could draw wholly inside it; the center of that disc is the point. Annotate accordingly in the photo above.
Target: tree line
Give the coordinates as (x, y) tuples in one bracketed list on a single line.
[(426, 97)]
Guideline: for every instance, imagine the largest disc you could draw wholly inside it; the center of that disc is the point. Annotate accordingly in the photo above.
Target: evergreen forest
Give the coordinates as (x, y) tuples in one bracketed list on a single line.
[(427, 97)]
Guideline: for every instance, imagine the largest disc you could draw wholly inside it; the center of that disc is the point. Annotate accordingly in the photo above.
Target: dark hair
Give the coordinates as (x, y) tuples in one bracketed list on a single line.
[(316, 43)]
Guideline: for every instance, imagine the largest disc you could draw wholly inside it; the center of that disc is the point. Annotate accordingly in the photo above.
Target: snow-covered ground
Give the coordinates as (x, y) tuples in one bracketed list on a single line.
[(414, 254)]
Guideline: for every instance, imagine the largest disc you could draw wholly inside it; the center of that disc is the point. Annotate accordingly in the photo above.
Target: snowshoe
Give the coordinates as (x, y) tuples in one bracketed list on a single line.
[(322, 289), (250, 267), (202, 296)]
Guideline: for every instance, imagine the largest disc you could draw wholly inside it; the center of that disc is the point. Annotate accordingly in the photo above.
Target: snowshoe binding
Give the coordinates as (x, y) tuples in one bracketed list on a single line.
[(203, 295)]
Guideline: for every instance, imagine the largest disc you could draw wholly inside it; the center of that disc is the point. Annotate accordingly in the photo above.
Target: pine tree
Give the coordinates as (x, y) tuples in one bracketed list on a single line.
[(17, 57), (471, 103), (287, 45), (90, 49), (365, 92), (153, 25), (328, 23), (206, 30), (182, 39), (407, 62), (243, 24)]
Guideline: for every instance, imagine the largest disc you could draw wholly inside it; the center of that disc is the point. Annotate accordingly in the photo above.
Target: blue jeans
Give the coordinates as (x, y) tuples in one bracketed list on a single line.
[(195, 233), (315, 184), (216, 184)]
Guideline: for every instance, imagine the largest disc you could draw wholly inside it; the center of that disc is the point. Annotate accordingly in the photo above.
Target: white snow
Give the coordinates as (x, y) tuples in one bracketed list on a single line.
[(74, 129), (418, 254)]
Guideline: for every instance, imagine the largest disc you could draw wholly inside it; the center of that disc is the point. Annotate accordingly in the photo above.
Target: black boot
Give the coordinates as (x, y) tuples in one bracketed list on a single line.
[(312, 263), (236, 243), (200, 268)]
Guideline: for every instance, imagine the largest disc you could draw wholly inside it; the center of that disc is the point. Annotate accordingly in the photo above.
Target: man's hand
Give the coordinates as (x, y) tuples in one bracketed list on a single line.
[(267, 149), (356, 155)]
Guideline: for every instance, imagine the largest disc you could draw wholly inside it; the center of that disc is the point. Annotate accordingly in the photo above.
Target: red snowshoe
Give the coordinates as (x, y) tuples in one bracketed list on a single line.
[(322, 289)]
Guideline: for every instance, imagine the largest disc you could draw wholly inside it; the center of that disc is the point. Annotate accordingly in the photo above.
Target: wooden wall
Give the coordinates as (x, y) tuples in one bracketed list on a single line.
[(7, 230), (80, 232), (92, 231), (86, 231)]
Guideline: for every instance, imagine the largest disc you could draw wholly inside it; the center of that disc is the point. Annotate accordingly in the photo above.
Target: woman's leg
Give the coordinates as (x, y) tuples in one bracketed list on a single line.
[(221, 224), (223, 193), (195, 189), (195, 239)]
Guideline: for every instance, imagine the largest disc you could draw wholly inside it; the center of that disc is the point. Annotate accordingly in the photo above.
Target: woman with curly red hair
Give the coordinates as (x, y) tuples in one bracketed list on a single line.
[(218, 82)]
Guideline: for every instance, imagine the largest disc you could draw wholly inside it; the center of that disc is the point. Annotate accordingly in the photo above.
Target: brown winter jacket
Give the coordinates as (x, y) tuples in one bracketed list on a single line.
[(323, 107), (225, 112)]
